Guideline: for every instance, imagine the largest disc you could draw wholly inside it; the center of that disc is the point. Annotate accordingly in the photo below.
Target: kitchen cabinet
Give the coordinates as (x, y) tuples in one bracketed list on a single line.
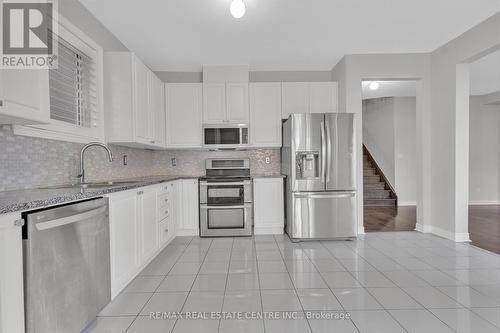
[(265, 114), (268, 205), (11, 275), (184, 115), (133, 102), (225, 103), (147, 206), (124, 247), (309, 97), (187, 210), (166, 213), (323, 97), (24, 96)]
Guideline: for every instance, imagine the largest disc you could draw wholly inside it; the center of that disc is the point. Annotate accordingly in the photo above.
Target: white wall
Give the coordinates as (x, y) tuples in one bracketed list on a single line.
[(389, 133), (484, 151), (405, 134), (378, 134)]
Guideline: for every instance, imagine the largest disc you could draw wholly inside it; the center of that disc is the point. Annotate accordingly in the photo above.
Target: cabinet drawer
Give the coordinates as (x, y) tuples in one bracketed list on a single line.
[(163, 200), (163, 212), (166, 188)]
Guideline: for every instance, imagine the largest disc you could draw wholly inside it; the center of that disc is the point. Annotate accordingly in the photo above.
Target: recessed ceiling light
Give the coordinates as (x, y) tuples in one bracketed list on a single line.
[(237, 8), (374, 85)]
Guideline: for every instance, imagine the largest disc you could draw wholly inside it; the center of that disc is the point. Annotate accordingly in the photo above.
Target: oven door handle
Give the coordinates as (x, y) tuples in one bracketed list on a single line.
[(204, 183), (225, 207)]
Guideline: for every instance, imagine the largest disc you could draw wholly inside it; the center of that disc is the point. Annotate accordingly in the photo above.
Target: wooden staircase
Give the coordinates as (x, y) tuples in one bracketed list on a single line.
[(377, 190)]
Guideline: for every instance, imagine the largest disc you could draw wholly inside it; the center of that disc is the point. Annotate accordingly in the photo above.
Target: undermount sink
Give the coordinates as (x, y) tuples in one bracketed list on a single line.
[(91, 185)]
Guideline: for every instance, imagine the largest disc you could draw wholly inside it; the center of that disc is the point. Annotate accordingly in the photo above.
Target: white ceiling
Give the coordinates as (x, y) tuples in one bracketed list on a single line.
[(485, 74), (390, 89), (182, 35)]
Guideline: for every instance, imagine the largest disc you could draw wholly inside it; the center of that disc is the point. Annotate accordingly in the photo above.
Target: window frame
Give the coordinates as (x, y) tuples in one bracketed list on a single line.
[(63, 131)]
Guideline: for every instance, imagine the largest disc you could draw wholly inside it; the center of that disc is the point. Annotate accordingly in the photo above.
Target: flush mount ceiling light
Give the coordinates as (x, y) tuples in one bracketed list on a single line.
[(374, 85), (237, 8)]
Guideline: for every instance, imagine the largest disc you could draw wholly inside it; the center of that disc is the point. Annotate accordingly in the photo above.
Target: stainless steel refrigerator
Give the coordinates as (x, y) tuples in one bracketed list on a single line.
[(318, 158)]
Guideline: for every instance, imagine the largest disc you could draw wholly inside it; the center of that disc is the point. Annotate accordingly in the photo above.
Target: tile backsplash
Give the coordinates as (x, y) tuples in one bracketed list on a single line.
[(27, 162)]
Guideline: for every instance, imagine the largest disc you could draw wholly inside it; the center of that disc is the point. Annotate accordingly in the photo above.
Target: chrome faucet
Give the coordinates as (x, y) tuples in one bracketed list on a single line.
[(82, 158)]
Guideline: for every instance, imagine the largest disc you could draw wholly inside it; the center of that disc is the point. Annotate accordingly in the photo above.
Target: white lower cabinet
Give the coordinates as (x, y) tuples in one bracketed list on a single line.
[(187, 208), (11, 275), (269, 208), (143, 221)]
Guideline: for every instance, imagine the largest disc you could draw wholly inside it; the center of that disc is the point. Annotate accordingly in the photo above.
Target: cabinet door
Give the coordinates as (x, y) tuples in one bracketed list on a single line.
[(237, 102), (24, 96), (147, 198), (214, 103), (11, 275), (322, 97), (123, 214), (189, 221), (158, 111), (183, 102), (142, 109), (265, 114), (268, 206), (295, 98)]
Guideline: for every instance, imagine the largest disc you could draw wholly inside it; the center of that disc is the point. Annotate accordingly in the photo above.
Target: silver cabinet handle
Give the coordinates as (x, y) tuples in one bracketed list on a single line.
[(140, 192), (1, 102), (225, 207), (18, 223), (71, 219)]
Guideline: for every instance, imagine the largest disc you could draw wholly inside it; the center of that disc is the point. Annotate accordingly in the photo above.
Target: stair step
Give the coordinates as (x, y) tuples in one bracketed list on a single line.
[(376, 194), (369, 172), (391, 202), (373, 186), (371, 179)]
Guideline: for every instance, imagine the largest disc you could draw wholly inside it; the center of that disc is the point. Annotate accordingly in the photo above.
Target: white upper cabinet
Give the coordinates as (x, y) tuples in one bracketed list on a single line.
[(133, 102), (237, 102), (265, 114), (309, 97), (24, 96), (158, 110), (214, 103), (184, 112), (141, 86), (225, 103), (295, 98), (322, 97)]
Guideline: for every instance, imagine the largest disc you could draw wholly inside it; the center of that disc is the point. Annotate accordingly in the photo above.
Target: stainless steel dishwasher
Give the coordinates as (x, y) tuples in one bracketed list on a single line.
[(66, 266)]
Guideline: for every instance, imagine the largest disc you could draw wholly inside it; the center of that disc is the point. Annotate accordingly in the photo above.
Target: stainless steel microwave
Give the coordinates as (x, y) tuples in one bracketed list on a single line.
[(225, 136)]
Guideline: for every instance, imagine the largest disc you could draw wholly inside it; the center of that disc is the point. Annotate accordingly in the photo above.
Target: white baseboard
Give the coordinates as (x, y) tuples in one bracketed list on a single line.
[(483, 202), (277, 230), (187, 232), (456, 237), (361, 230), (407, 203)]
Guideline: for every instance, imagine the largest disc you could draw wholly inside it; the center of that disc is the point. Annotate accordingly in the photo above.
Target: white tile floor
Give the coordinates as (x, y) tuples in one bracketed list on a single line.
[(385, 282)]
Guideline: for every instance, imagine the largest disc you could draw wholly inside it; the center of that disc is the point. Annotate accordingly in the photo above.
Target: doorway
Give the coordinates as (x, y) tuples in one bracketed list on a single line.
[(484, 152), (389, 153)]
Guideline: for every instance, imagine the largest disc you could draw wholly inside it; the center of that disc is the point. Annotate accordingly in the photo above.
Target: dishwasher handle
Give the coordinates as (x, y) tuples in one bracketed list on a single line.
[(72, 218)]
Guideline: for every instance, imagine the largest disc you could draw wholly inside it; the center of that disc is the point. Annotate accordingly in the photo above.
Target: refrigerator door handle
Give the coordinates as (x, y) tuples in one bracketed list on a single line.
[(323, 153), (328, 153)]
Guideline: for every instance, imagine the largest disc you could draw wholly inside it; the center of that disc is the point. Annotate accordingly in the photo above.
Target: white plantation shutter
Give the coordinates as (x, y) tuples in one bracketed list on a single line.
[(73, 87)]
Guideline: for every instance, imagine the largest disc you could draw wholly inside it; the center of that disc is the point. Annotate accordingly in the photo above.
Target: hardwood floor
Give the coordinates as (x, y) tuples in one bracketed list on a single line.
[(484, 227), (484, 223), (389, 218)]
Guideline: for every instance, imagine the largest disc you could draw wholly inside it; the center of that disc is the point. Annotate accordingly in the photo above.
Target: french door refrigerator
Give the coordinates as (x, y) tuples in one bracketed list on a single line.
[(318, 159)]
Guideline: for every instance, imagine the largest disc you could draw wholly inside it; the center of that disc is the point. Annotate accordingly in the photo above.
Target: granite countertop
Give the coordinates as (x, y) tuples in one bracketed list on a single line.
[(21, 200)]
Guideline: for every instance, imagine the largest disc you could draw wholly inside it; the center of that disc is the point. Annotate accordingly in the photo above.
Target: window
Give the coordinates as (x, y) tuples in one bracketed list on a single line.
[(75, 90), (72, 85)]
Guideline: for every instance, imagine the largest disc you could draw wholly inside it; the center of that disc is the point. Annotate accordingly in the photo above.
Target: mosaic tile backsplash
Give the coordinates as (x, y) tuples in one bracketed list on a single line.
[(27, 162)]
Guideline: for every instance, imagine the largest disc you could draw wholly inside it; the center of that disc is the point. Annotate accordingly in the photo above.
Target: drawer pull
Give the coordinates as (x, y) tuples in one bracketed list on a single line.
[(140, 192)]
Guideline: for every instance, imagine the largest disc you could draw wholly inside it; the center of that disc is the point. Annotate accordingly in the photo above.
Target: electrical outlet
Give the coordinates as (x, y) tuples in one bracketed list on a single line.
[(173, 160), (268, 160), (125, 161)]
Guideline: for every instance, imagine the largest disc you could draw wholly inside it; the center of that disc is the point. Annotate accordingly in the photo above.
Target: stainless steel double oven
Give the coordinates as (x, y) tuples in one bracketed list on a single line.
[(226, 198)]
